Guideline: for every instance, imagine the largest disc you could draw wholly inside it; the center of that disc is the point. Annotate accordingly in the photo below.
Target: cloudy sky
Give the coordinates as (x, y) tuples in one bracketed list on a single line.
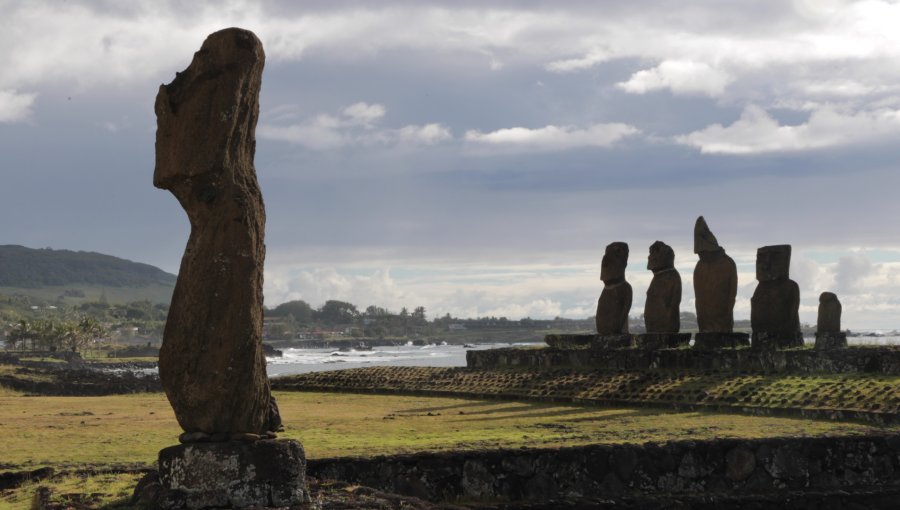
[(476, 157)]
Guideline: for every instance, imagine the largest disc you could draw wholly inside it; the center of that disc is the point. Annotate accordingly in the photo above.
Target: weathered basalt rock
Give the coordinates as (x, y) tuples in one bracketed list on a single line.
[(715, 282), (615, 300), (233, 474), (662, 340), (211, 362), (702, 472), (828, 326), (621, 341), (775, 305), (661, 310), (711, 341), (572, 341)]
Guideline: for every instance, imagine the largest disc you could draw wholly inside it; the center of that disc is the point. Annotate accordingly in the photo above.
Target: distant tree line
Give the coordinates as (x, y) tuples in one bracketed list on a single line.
[(292, 317), (54, 335)]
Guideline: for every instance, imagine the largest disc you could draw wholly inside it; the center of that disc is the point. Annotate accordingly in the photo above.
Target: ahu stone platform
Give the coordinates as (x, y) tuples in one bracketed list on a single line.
[(883, 360)]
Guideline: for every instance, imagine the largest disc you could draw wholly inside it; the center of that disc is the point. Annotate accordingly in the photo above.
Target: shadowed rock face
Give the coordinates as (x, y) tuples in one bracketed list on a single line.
[(715, 282), (829, 320), (661, 310), (775, 305), (615, 300), (211, 363)]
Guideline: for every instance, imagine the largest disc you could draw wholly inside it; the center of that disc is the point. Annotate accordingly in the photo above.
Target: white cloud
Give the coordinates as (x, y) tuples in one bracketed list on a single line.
[(15, 106), (363, 113), (427, 134), (592, 58), (757, 132), (851, 273), (679, 76), (357, 124), (463, 291), (553, 138)]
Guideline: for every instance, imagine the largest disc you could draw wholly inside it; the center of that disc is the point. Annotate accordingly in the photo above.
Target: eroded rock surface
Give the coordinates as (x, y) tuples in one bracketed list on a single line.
[(661, 310), (211, 363), (615, 300), (828, 325), (715, 282), (775, 305)]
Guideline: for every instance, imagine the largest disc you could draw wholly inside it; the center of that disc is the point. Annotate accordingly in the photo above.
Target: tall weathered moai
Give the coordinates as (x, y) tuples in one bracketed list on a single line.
[(211, 363), (615, 300), (828, 325), (715, 289), (775, 305), (662, 314)]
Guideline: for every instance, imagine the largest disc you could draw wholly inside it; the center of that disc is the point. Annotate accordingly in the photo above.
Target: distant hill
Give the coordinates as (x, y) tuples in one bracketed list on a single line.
[(35, 268)]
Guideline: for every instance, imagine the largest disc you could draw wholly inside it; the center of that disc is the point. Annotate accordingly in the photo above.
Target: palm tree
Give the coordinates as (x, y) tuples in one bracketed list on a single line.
[(20, 333)]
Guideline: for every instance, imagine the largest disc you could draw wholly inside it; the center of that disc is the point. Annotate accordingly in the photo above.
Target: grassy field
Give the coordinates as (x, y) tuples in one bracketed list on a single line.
[(73, 433), (155, 293), (77, 431), (877, 395)]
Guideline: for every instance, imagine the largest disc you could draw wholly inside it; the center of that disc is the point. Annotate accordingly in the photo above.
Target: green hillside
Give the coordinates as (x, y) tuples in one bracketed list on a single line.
[(30, 268)]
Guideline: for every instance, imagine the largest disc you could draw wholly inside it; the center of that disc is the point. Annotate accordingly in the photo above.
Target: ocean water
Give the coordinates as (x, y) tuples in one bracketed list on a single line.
[(300, 361)]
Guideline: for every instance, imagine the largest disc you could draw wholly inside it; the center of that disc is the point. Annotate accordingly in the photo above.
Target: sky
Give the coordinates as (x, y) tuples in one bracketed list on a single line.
[(475, 158)]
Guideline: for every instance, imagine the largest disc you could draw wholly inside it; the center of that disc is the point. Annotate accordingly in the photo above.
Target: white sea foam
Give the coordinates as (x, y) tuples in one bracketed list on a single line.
[(299, 361)]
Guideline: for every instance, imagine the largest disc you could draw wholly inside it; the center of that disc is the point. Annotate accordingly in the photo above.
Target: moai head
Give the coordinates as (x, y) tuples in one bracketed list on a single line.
[(612, 268), (829, 321), (773, 263), (661, 257), (827, 298), (705, 243)]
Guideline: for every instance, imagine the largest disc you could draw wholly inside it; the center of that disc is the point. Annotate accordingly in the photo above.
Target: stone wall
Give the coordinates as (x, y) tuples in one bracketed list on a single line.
[(726, 467), (853, 360)]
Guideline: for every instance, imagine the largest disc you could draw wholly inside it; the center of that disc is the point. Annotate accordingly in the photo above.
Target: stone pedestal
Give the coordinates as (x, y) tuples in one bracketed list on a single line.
[(233, 474), (831, 340), (662, 340), (772, 341), (569, 341), (709, 341), (623, 341)]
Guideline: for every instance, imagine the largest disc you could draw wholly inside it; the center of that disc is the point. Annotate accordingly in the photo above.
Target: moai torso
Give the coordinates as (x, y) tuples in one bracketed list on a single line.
[(211, 363), (775, 305), (829, 320), (661, 310), (715, 282), (615, 300)]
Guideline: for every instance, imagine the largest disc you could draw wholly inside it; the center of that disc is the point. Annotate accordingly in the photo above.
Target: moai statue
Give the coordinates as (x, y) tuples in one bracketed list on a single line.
[(661, 310), (211, 362), (615, 300), (775, 305), (828, 326), (715, 289)]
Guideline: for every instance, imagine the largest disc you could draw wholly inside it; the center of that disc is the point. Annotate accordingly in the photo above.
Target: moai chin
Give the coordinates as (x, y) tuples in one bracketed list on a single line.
[(828, 325), (661, 310), (775, 305), (615, 300), (715, 290)]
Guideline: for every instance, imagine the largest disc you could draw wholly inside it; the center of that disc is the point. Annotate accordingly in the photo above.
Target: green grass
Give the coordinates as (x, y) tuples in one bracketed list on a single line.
[(112, 490), (155, 293), (102, 356), (43, 359), (70, 433), (855, 393)]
